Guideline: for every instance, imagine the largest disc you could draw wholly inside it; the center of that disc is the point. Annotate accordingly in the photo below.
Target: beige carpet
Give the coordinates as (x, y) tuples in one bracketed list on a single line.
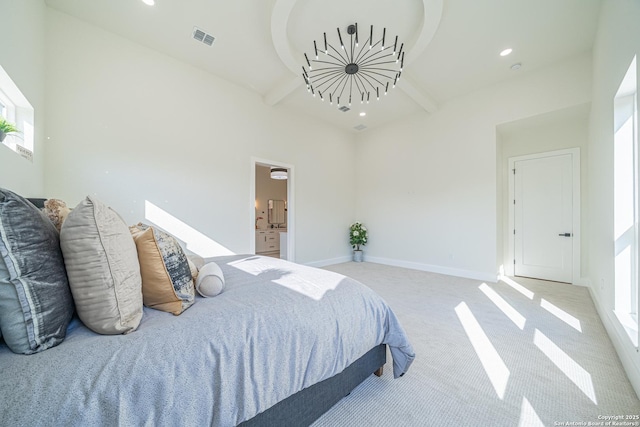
[(523, 353)]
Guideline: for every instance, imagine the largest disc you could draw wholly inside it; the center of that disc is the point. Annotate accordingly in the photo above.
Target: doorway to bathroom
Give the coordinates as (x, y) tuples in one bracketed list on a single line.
[(272, 227)]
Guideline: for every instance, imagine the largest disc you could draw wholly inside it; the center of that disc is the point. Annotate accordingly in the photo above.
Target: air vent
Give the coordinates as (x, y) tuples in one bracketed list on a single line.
[(344, 109), (203, 37), (360, 127)]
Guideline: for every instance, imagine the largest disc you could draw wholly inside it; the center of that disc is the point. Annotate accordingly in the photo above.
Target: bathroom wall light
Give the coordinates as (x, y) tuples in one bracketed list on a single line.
[(278, 173)]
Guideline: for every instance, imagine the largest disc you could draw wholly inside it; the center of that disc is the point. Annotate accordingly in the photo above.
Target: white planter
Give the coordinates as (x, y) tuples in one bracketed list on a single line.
[(357, 256)]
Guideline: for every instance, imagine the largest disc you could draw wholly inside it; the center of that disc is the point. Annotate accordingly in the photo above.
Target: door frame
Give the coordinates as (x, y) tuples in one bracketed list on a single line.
[(255, 161), (576, 208)]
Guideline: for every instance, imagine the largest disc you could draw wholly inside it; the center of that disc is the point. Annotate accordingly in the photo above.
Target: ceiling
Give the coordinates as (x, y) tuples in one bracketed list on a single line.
[(452, 46)]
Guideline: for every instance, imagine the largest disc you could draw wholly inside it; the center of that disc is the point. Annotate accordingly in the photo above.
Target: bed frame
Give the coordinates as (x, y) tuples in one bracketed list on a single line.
[(306, 406)]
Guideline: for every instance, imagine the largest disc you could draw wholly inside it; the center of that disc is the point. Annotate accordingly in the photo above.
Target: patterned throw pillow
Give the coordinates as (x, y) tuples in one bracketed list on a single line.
[(35, 301), (167, 283), (57, 211)]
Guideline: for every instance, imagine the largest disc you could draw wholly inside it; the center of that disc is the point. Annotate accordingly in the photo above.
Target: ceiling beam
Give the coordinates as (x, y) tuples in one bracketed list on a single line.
[(415, 92), (281, 91)]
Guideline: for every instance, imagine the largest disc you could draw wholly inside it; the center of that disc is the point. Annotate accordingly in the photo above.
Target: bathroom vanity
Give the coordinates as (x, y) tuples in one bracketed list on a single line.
[(268, 241)]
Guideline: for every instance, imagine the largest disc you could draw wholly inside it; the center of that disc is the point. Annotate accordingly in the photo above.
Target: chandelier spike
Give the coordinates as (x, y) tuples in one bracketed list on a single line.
[(384, 33)]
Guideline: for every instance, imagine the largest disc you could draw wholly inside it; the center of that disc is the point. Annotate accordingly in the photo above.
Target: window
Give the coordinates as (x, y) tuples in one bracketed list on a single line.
[(7, 109), (15, 108), (625, 192)]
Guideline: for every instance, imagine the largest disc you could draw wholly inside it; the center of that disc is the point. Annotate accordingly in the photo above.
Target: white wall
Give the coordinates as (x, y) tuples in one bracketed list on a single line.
[(427, 185), (617, 41), (22, 48), (130, 125)]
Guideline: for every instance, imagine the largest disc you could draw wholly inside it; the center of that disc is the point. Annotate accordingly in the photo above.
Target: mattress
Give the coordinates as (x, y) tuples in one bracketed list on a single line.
[(277, 328)]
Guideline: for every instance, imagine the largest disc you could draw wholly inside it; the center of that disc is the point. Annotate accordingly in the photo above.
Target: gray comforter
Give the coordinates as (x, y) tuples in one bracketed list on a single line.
[(277, 328)]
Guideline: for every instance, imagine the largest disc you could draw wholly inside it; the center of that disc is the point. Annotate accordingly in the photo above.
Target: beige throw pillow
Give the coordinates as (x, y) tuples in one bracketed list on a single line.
[(102, 266)]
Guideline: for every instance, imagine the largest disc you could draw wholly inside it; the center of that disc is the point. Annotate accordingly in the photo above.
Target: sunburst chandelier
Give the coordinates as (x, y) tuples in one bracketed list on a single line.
[(353, 72)]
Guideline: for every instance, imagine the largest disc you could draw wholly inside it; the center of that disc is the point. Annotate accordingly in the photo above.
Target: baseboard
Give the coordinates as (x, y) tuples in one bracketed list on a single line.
[(583, 281), (625, 350), (469, 274), (326, 262), (457, 272)]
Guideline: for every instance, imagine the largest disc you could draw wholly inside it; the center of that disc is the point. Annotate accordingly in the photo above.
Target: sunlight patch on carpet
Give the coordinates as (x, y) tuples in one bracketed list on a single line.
[(528, 415), (492, 363), (576, 373), (517, 318), (561, 314), (517, 286)]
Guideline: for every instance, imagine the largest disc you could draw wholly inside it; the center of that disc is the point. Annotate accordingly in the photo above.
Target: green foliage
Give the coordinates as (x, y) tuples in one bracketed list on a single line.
[(357, 235), (7, 127)]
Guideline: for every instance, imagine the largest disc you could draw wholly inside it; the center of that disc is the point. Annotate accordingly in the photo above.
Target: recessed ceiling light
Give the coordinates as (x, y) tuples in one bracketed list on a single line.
[(516, 66), (506, 52), (149, 2), (363, 114)]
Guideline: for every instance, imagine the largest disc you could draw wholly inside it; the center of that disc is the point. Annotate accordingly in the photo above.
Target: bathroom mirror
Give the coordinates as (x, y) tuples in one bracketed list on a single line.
[(276, 212)]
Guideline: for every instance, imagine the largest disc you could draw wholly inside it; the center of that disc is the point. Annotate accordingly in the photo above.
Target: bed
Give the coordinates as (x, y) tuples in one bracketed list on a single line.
[(280, 346)]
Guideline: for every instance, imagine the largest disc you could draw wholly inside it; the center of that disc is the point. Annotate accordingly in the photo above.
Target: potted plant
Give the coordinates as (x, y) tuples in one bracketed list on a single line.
[(357, 238), (6, 127)]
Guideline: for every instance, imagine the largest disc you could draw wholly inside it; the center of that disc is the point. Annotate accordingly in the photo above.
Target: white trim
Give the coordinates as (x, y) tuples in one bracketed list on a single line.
[(469, 274), (583, 281), (576, 247), (291, 223), (621, 342), (332, 261)]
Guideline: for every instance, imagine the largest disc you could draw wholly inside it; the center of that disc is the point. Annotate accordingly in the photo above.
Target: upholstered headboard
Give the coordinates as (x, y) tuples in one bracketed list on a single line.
[(39, 203)]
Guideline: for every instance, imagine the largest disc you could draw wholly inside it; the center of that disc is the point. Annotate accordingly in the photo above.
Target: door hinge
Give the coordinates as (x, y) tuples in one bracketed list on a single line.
[(514, 171), (514, 231), (514, 201), (514, 262)]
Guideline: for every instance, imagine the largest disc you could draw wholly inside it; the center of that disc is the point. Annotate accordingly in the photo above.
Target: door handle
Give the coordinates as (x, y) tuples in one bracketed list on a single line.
[(564, 234)]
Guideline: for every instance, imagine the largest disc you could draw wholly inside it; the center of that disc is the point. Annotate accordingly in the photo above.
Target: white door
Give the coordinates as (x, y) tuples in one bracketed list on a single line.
[(543, 218)]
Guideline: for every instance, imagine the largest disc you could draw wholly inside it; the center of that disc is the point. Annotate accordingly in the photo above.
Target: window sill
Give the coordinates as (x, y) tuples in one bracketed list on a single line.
[(630, 324)]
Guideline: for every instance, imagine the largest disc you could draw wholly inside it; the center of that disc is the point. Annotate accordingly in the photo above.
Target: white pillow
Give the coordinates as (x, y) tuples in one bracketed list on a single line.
[(210, 281)]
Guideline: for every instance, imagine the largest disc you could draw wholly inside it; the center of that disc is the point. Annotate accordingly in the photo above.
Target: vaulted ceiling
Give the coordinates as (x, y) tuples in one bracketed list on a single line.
[(451, 46)]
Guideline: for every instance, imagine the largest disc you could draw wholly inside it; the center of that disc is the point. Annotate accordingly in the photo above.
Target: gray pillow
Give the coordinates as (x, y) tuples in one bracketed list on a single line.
[(102, 265), (35, 301)]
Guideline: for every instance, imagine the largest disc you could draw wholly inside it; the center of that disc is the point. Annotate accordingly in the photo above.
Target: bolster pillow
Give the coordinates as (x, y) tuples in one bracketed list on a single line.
[(210, 281)]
